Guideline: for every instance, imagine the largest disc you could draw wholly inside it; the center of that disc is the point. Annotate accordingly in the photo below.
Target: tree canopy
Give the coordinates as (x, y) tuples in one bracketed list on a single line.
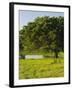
[(43, 35)]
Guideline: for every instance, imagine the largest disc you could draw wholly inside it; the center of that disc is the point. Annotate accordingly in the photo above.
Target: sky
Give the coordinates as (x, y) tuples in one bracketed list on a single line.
[(26, 16)]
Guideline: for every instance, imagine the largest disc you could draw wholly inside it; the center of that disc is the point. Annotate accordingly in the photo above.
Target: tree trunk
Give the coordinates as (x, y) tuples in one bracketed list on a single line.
[(56, 54)]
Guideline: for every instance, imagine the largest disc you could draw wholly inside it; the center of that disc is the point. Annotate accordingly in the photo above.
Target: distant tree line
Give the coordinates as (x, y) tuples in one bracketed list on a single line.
[(45, 34)]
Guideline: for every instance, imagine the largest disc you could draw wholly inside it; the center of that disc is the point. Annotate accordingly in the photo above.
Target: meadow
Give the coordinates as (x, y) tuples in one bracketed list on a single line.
[(42, 36), (41, 68)]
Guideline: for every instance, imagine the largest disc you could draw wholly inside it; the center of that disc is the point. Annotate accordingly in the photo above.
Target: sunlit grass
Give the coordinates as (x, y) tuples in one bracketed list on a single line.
[(41, 68)]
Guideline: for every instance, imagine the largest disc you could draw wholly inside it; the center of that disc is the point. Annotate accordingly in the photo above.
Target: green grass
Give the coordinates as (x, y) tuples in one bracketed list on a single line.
[(42, 68)]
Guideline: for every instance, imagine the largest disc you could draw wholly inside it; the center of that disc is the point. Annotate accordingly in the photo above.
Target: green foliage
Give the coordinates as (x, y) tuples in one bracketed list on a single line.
[(44, 34)]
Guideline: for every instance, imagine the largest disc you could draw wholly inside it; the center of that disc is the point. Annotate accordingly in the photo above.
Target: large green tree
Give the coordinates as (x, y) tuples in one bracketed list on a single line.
[(43, 34)]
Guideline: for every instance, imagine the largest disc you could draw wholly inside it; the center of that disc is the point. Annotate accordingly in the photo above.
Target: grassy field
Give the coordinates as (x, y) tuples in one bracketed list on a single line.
[(42, 68)]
